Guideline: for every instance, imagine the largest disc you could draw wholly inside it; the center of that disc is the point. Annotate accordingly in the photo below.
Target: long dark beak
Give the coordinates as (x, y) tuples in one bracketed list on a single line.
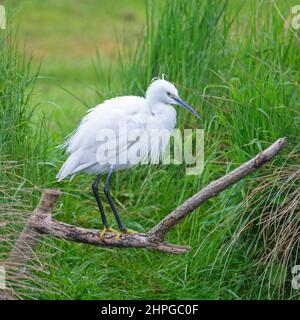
[(186, 106)]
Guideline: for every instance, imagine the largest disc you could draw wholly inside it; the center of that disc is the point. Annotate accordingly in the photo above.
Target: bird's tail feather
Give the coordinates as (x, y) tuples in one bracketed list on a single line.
[(63, 172), (72, 167)]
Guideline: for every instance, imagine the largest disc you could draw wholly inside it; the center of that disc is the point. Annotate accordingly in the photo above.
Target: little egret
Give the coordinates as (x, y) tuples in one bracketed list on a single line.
[(141, 115)]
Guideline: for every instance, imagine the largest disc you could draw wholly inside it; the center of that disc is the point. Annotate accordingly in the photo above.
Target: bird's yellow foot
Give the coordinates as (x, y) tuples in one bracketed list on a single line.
[(109, 229), (127, 231)]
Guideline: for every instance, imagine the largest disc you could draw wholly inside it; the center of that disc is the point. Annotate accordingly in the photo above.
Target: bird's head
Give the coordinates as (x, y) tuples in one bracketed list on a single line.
[(162, 91)]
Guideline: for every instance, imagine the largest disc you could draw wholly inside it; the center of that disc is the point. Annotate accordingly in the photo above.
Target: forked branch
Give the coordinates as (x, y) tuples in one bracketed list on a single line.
[(41, 222)]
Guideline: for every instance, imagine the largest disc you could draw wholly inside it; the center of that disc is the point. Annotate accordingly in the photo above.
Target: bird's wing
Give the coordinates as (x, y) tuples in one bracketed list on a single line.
[(125, 133), (107, 118), (109, 115)]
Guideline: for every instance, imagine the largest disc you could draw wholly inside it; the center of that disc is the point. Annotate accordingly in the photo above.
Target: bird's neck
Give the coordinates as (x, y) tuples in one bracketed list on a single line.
[(159, 108), (164, 114)]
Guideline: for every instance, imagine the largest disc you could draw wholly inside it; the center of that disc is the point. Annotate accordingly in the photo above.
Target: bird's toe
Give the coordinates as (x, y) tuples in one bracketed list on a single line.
[(122, 232), (107, 230), (130, 231)]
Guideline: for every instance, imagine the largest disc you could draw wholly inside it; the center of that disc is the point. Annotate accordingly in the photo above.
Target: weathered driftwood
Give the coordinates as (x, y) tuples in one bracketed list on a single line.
[(41, 222), (23, 249), (213, 189)]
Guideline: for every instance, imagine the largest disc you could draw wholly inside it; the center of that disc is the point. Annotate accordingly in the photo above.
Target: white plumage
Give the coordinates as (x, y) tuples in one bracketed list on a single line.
[(82, 145), (140, 115)]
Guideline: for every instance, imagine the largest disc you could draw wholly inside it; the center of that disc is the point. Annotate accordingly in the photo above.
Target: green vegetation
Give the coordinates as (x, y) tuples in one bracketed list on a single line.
[(239, 68)]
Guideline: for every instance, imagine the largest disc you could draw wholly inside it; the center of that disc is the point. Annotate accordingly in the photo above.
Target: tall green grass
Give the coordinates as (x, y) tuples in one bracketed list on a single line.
[(238, 66), (21, 139), (23, 146)]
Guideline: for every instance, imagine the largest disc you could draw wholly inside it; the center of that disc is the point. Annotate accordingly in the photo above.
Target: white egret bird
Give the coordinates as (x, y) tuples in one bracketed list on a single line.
[(141, 114)]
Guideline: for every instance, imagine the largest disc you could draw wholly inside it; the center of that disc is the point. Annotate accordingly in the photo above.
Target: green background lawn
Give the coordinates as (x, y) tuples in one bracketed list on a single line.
[(63, 36)]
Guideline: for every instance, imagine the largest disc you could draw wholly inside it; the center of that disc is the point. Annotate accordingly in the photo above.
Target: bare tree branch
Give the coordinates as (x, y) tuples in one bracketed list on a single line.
[(41, 222), (213, 189), (46, 225), (23, 249)]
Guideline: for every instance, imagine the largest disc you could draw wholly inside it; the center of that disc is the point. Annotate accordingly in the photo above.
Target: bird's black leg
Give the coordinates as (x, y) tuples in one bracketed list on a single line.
[(110, 200), (97, 196)]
